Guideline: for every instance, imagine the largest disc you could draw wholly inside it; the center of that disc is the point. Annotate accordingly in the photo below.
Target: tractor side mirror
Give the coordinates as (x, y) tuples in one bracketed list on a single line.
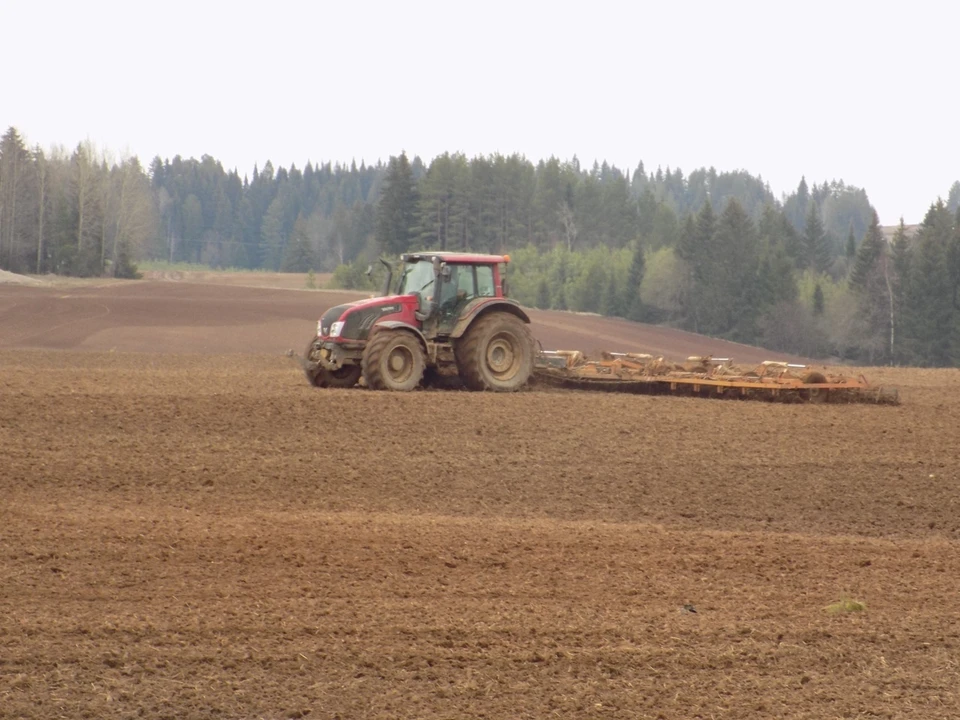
[(445, 272)]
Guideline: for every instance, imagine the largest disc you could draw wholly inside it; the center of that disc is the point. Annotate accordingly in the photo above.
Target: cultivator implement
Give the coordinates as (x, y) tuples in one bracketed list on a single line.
[(704, 377)]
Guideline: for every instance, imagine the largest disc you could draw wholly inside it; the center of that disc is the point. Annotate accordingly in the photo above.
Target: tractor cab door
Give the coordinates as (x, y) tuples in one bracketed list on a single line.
[(464, 283)]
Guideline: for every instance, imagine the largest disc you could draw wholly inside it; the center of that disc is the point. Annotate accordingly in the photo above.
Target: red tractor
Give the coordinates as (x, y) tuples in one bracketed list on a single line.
[(449, 312)]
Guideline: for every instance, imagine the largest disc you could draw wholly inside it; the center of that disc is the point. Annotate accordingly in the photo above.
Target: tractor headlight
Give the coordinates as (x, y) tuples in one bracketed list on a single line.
[(336, 328)]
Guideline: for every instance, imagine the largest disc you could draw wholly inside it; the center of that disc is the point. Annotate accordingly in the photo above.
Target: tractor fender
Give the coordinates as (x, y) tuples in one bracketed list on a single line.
[(482, 306), (400, 325)]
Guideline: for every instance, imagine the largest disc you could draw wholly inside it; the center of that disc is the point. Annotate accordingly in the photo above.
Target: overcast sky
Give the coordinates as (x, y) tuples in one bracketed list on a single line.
[(866, 92)]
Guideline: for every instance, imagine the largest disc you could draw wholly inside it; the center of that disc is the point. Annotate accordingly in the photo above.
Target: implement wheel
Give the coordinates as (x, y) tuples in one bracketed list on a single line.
[(345, 377), (393, 360), (496, 353)]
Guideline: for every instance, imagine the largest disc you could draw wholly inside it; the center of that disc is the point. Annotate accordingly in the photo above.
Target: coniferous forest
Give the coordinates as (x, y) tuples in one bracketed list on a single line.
[(811, 272)]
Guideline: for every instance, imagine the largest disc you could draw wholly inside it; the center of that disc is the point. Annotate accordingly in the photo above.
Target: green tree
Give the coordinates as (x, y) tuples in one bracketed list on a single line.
[(397, 216), (816, 248), (444, 202), (299, 256), (633, 305), (776, 279), (929, 327), (871, 248), (732, 299), (590, 281), (17, 201), (86, 210), (796, 205), (818, 301), (130, 218), (694, 244), (613, 303), (851, 247), (844, 206), (543, 294), (953, 198), (559, 275), (696, 248), (776, 231)]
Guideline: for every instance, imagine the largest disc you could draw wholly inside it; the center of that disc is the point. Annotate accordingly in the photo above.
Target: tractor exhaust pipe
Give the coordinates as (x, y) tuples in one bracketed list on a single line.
[(386, 283)]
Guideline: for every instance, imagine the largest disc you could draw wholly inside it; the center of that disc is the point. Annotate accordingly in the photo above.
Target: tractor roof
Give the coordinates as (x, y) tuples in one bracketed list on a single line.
[(456, 257)]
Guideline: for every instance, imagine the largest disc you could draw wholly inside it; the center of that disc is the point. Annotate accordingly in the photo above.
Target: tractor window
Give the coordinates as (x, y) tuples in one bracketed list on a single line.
[(417, 277), (458, 287), (466, 287), (485, 286)]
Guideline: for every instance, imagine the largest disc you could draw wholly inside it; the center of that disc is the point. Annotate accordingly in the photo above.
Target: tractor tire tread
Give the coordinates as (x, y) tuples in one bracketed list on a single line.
[(372, 362), (469, 354)]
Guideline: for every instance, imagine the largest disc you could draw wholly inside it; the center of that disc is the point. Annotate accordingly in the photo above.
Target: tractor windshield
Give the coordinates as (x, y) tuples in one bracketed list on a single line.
[(417, 277)]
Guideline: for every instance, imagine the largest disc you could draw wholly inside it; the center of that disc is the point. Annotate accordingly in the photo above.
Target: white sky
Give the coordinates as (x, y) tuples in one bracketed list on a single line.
[(861, 91)]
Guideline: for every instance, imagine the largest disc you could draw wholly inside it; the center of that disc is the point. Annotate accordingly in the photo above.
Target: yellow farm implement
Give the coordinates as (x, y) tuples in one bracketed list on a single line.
[(704, 377)]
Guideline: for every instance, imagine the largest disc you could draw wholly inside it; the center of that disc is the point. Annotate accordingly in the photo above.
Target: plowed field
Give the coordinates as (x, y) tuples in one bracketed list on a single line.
[(218, 314), (192, 531)]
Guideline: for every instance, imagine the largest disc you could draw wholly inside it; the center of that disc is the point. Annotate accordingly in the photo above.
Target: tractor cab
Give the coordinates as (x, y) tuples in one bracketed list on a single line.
[(446, 283)]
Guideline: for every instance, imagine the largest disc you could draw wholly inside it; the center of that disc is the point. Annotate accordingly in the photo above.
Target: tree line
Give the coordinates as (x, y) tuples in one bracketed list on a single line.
[(714, 252), (72, 213)]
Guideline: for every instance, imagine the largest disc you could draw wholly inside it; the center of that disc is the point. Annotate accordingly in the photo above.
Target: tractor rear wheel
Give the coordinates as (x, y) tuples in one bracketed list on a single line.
[(496, 353), (345, 377), (393, 360)]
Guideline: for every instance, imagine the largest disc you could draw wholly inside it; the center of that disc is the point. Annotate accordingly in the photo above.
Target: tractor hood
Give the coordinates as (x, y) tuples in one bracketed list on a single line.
[(359, 316)]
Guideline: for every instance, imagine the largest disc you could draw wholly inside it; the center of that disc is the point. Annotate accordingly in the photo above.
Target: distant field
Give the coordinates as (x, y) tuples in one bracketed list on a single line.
[(215, 312), (288, 281)]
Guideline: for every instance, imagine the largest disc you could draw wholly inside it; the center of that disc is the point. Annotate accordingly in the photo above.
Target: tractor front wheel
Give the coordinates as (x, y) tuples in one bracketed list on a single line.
[(393, 360), (496, 353), (344, 377)]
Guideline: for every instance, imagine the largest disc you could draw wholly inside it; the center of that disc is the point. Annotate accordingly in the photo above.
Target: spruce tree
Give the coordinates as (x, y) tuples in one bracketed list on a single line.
[(901, 252), (612, 305), (797, 205), (686, 248), (815, 241), (697, 249), (728, 290), (953, 261), (543, 294), (298, 255), (633, 306), (929, 326), (694, 247), (818, 303), (851, 248), (396, 223), (953, 198), (776, 279), (870, 251)]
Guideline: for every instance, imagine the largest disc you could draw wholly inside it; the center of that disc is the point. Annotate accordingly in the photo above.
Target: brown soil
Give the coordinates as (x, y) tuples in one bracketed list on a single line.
[(289, 281), (185, 534), (223, 313)]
